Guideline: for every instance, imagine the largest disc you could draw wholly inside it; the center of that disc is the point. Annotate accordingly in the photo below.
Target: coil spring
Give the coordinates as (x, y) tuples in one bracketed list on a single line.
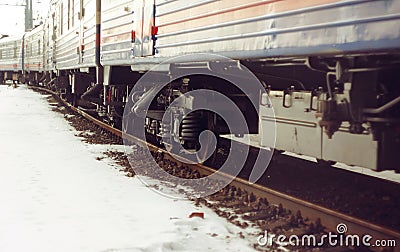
[(191, 126)]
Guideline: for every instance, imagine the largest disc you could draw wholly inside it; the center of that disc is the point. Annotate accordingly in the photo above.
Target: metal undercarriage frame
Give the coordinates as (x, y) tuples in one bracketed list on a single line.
[(351, 116)]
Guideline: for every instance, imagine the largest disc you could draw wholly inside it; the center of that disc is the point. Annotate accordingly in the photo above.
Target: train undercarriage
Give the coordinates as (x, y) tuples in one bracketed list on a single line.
[(13, 76), (336, 109)]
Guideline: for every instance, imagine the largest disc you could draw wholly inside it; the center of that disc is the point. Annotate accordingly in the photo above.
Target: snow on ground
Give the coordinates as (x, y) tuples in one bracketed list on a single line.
[(55, 195)]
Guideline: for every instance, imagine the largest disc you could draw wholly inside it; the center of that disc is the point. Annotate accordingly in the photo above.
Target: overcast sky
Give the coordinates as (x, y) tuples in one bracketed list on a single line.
[(12, 18)]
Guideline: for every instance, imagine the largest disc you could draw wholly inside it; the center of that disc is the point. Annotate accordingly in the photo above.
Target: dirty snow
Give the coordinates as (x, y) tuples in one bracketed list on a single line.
[(55, 195)]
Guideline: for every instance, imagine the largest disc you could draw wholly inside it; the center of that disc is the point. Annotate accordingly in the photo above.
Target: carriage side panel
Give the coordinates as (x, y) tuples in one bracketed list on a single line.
[(244, 29), (34, 50)]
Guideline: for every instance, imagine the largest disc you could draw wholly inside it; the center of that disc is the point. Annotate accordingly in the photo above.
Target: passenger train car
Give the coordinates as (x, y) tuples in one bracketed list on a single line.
[(33, 55), (10, 59), (330, 67)]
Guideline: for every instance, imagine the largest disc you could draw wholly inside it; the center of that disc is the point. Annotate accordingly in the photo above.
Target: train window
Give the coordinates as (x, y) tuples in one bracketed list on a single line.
[(73, 13), (81, 10), (61, 19), (39, 47)]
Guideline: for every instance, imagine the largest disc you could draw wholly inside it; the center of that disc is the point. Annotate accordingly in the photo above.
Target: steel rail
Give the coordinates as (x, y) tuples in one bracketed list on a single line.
[(329, 218)]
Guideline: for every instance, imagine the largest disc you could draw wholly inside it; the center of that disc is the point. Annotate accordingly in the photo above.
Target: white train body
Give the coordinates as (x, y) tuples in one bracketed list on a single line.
[(330, 67)]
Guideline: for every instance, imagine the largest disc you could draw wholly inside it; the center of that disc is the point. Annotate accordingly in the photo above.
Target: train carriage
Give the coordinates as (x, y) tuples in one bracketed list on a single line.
[(10, 59), (75, 33), (330, 67), (75, 46), (67, 30), (34, 55), (321, 57), (127, 28)]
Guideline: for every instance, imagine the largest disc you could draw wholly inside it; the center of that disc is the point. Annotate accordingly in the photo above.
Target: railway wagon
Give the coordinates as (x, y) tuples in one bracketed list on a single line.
[(74, 49), (334, 60), (34, 55), (10, 59), (331, 68), (127, 34)]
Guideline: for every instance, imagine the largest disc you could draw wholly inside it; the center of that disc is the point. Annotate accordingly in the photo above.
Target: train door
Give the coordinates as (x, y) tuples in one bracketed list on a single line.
[(52, 41), (148, 27), (81, 16), (144, 28)]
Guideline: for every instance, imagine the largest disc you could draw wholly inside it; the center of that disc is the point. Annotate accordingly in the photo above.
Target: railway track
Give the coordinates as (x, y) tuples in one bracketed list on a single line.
[(330, 219)]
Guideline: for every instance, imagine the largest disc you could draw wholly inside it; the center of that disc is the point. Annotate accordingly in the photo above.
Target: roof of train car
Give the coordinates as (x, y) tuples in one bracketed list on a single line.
[(37, 28), (11, 39)]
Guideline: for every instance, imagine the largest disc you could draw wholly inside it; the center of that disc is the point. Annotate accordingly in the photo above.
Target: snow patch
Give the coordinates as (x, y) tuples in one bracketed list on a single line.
[(55, 195)]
